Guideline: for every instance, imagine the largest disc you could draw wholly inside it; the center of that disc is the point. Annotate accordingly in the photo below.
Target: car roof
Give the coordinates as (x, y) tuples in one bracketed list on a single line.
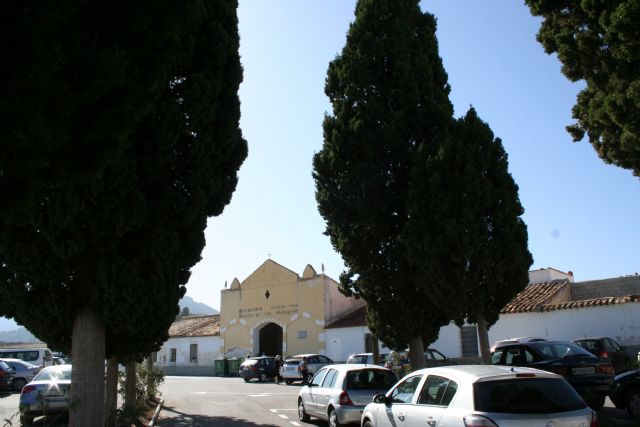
[(356, 367), (300, 356), (589, 339), (474, 373), (9, 359), (56, 368)]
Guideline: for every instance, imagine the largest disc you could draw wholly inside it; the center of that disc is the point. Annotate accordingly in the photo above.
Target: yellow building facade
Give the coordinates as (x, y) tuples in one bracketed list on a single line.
[(276, 311)]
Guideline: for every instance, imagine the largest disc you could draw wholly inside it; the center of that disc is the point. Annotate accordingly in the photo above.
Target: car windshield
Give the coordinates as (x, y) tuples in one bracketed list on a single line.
[(559, 350), (588, 344), (526, 396), (54, 375), (370, 379), (358, 358)]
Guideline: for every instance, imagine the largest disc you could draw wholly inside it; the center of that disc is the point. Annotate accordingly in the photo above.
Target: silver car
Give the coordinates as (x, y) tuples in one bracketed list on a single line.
[(23, 372), (49, 392), (291, 373), (339, 393), (479, 395)]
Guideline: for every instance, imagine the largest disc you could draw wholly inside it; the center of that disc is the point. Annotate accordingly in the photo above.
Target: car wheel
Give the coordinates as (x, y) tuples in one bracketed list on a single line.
[(246, 380), (333, 418), (302, 414), (18, 383), (367, 423), (597, 402), (263, 377), (25, 420), (633, 404), (288, 382)]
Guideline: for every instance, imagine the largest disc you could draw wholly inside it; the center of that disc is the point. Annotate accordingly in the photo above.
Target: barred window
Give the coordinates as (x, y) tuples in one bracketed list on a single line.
[(469, 341)]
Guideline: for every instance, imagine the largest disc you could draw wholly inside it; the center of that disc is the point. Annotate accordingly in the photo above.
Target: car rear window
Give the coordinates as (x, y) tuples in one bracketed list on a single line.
[(526, 396), (250, 362), (370, 379), (54, 375), (359, 358), (560, 350), (292, 362), (589, 344)]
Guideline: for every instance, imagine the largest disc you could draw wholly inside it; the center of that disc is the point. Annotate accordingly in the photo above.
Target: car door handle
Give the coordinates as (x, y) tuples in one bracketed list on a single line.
[(401, 416)]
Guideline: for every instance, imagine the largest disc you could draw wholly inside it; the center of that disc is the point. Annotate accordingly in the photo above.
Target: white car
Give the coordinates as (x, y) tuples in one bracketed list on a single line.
[(479, 396), (290, 372)]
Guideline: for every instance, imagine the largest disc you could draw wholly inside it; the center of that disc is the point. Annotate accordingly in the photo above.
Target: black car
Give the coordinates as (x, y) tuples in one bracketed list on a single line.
[(589, 375), (625, 392), (263, 368), (607, 348), (6, 375)]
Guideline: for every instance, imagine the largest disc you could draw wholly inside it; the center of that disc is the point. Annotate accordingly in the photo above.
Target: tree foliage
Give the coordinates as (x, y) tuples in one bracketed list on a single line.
[(389, 94), (471, 251), (599, 42), (119, 138)]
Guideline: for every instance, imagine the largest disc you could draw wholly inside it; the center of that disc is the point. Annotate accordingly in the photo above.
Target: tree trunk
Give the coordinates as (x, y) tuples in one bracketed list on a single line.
[(88, 352), (111, 392), (483, 336), (149, 377), (375, 349), (416, 353), (130, 399)]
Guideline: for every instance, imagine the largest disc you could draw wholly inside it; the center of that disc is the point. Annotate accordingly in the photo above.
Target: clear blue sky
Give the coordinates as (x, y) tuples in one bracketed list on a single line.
[(581, 213)]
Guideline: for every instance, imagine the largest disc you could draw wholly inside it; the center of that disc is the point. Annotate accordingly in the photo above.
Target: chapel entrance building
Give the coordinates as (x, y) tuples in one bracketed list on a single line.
[(276, 311)]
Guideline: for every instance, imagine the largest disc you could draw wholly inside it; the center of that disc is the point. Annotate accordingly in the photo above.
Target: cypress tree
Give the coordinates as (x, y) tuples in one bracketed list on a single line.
[(599, 42), (466, 239), (389, 94), (129, 143)]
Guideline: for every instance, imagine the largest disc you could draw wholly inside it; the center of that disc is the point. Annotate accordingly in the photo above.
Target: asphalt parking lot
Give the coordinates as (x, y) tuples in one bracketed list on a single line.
[(215, 401)]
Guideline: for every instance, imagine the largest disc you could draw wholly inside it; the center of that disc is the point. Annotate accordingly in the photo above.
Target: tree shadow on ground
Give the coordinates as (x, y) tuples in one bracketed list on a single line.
[(180, 419)]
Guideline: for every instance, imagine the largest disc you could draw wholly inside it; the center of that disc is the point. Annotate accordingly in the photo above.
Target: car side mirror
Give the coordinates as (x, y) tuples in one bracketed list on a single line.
[(381, 398), (311, 385)]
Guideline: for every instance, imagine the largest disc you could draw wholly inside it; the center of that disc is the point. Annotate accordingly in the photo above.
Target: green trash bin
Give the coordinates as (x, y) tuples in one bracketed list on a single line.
[(221, 367), (234, 366)]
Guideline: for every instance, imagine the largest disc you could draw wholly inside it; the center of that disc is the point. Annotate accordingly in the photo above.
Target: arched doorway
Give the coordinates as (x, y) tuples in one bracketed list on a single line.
[(270, 340)]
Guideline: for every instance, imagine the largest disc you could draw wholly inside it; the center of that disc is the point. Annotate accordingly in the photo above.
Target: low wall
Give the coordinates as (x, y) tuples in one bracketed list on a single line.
[(188, 370)]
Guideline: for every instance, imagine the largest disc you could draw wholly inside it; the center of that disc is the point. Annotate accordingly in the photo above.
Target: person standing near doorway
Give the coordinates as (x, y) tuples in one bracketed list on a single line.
[(278, 364), (304, 369)]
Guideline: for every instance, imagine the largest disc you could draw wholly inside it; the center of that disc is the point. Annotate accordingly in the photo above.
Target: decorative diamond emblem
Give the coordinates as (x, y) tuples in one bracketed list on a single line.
[(266, 294)]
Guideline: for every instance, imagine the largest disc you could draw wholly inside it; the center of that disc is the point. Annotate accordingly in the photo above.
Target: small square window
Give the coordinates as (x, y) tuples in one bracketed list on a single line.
[(302, 335)]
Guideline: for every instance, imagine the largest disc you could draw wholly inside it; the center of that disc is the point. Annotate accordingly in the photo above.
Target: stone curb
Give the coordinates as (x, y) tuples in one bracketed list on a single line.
[(156, 413)]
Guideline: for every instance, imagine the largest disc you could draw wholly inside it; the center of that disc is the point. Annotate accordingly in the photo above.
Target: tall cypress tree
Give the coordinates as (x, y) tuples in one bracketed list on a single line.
[(389, 94), (599, 42), (468, 241), (96, 255)]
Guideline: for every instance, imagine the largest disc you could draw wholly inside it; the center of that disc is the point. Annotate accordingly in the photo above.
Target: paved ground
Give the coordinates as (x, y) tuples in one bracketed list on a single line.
[(213, 401)]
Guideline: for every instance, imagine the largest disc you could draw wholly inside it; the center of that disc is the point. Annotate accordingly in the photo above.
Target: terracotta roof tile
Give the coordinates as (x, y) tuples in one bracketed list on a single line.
[(196, 326), (534, 297), (594, 302), (357, 317)]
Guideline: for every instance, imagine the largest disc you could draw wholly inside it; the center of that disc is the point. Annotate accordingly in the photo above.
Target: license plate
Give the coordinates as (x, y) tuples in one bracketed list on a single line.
[(291, 368), (589, 370)]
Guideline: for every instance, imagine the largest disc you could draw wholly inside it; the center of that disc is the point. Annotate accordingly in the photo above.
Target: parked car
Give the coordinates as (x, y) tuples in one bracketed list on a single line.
[(508, 341), (37, 356), (625, 392), (338, 393), (366, 358), (434, 358), (607, 348), (6, 376), (263, 368), (23, 372), (479, 395), (290, 371), (588, 374), (49, 392)]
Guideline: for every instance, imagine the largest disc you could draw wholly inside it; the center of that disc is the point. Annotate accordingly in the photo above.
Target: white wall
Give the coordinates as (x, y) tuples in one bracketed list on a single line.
[(209, 349), (547, 275), (342, 342), (618, 321)]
